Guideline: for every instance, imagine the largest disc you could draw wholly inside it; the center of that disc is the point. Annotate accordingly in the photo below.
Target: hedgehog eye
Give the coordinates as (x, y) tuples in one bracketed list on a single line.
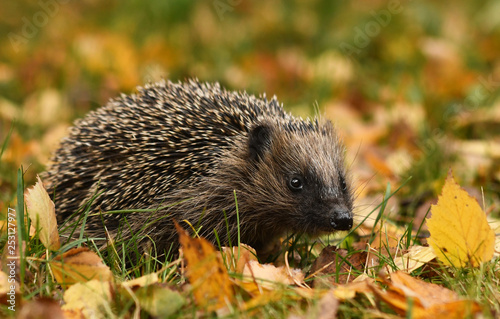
[(343, 183), (295, 183)]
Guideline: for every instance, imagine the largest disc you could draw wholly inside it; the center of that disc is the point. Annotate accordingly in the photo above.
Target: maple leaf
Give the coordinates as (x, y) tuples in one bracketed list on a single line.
[(459, 230)]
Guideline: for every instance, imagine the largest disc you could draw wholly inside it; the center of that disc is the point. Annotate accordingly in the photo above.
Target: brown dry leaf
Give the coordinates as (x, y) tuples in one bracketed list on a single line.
[(397, 300), (416, 257), (91, 299), (79, 265), (459, 230), (429, 294), (212, 287), (328, 306), (335, 266), (41, 308), (42, 213), (428, 299), (268, 276)]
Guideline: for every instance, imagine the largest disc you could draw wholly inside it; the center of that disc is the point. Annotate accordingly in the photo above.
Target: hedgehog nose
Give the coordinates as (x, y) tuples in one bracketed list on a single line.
[(342, 219)]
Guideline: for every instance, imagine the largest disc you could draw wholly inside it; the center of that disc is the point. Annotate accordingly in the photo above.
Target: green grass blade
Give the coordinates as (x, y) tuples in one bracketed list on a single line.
[(21, 234)]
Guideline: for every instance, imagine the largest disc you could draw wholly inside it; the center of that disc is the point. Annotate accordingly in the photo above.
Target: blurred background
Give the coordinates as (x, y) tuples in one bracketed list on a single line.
[(413, 86)]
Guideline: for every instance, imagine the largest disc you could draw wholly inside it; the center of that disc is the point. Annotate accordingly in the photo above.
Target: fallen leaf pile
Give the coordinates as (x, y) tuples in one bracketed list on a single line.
[(460, 236), (412, 88)]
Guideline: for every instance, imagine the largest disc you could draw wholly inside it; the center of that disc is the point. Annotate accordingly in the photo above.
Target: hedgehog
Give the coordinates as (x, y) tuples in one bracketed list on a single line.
[(227, 163)]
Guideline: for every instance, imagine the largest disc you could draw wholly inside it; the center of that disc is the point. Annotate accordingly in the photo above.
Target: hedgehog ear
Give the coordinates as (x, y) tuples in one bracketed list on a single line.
[(259, 141)]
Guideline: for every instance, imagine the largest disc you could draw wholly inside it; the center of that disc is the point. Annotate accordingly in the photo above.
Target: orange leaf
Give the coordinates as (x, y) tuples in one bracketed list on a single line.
[(429, 300), (212, 287), (79, 265)]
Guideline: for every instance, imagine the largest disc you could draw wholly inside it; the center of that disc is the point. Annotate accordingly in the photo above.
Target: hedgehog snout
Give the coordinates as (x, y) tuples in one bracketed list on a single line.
[(341, 218)]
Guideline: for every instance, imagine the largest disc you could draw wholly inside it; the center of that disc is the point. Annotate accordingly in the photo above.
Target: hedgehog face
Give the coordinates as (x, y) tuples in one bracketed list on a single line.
[(322, 203), (303, 169)]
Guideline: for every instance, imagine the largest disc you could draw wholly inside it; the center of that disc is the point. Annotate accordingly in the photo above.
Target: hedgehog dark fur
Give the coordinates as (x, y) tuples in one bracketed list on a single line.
[(196, 143)]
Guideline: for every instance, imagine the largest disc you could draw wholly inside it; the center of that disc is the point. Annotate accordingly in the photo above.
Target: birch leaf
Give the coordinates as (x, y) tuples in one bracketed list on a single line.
[(460, 234)]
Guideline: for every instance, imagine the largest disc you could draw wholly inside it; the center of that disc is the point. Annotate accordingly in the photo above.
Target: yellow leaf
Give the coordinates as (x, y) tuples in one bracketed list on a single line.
[(460, 233), (349, 291), (42, 214), (143, 281), (90, 299), (455, 309), (8, 286), (263, 299), (159, 301), (79, 265)]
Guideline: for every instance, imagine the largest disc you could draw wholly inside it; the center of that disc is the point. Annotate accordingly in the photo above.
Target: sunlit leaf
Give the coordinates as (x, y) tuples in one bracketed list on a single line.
[(460, 234), (41, 211), (212, 287), (268, 275), (143, 281), (79, 265), (416, 257), (88, 300)]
